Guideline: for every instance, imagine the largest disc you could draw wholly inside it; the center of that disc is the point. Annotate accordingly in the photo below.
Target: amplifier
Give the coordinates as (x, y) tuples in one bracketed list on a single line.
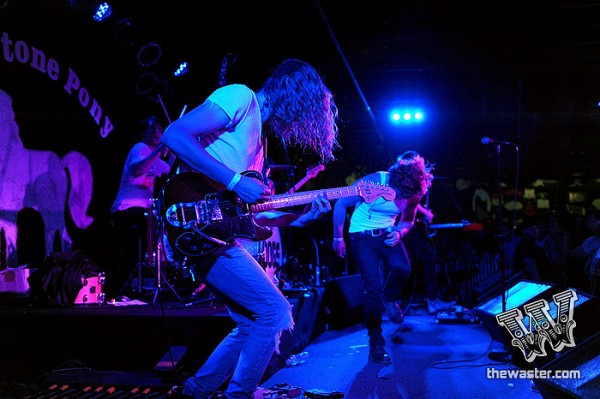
[(15, 280)]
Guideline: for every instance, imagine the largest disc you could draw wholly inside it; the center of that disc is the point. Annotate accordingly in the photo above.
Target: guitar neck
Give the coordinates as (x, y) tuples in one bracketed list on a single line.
[(289, 200), (298, 185)]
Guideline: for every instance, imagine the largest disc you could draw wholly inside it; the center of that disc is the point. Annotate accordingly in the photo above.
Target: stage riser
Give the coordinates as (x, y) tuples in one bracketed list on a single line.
[(36, 341)]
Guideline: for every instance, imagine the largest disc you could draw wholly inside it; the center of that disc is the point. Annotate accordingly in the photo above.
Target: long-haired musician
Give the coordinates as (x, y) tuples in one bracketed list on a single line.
[(219, 139)]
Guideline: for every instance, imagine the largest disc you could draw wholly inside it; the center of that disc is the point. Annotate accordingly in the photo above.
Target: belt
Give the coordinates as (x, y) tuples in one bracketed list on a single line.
[(372, 233)]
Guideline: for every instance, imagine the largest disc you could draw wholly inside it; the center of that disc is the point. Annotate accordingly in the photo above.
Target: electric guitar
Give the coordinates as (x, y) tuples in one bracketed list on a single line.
[(310, 174), (199, 220)]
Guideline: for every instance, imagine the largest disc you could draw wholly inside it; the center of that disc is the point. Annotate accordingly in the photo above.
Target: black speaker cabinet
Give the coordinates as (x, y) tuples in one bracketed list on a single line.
[(585, 309), (343, 302), (583, 359), (517, 295), (587, 324)]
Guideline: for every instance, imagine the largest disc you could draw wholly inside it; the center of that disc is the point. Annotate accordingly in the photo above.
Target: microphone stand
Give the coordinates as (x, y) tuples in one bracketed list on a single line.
[(503, 356)]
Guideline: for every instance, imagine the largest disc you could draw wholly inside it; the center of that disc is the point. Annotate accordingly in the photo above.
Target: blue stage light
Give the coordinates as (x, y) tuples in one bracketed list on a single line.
[(102, 12), (406, 116), (182, 69)]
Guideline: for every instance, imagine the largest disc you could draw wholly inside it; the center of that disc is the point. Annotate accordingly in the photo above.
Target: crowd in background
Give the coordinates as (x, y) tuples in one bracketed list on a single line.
[(564, 250), (546, 235), (558, 249)]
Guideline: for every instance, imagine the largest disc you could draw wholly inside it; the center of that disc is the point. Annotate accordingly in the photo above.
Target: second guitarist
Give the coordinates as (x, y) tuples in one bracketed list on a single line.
[(375, 240)]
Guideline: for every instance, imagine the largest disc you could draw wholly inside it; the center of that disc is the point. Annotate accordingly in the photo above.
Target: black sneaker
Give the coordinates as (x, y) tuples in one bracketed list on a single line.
[(379, 355), (394, 311)]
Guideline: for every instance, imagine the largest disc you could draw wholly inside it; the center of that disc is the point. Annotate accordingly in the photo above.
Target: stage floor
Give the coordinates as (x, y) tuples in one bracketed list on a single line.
[(429, 360), (99, 347)]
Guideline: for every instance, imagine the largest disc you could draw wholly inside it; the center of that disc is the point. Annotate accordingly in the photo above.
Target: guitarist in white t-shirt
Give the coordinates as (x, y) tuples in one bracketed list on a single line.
[(219, 140), (375, 239)]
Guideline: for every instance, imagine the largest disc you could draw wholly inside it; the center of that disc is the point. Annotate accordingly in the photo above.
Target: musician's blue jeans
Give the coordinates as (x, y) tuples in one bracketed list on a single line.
[(261, 313), (384, 271)]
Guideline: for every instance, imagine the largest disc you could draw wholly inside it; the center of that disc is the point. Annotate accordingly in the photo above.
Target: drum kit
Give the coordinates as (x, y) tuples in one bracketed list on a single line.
[(174, 271)]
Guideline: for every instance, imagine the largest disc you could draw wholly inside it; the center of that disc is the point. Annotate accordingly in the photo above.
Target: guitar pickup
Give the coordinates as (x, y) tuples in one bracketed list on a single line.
[(212, 210)]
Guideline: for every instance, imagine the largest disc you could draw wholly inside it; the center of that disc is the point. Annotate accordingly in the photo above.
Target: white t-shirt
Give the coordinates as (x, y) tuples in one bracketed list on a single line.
[(379, 214), (138, 191), (239, 145)]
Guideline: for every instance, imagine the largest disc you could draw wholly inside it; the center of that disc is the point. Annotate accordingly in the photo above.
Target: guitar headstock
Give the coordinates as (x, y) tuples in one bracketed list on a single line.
[(313, 172), (370, 191)]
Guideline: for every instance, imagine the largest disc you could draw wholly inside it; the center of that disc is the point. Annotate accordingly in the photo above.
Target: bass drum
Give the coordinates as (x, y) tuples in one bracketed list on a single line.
[(268, 253), (91, 292)]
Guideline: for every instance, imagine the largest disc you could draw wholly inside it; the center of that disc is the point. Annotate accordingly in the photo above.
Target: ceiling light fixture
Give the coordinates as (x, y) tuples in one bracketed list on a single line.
[(182, 69), (102, 12)]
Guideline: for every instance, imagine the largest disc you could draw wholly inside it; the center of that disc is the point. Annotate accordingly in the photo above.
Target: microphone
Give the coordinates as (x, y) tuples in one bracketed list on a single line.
[(487, 140)]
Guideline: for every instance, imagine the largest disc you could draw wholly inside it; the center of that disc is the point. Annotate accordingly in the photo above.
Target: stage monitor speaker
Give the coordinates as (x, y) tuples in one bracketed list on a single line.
[(343, 301), (517, 295), (585, 314), (583, 359), (491, 286), (587, 324), (525, 292), (305, 308)]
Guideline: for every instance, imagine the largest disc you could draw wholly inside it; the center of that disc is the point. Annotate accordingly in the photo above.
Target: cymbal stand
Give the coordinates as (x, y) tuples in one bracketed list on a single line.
[(156, 251)]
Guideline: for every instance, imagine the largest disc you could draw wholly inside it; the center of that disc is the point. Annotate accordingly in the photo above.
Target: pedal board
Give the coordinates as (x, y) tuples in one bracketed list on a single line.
[(316, 394), (457, 315), (279, 391), (285, 391)]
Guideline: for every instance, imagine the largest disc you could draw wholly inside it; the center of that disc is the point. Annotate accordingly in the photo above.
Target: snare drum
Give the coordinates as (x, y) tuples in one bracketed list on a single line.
[(91, 292)]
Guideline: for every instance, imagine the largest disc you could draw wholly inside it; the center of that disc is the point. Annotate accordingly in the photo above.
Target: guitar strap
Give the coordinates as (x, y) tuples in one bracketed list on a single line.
[(159, 182), (175, 167), (266, 164)]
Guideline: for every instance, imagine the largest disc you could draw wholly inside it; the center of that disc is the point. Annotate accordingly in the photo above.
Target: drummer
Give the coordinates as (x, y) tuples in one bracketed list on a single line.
[(147, 160)]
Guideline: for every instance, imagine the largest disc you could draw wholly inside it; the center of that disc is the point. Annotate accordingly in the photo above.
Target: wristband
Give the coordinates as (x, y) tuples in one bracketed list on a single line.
[(338, 239), (234, 180)]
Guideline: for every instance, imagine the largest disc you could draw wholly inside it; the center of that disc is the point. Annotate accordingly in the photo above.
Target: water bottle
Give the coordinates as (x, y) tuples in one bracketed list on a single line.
[(295, 360)]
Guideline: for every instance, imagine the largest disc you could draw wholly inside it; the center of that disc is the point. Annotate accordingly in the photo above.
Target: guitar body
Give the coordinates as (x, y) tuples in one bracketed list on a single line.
[(200, 218)]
